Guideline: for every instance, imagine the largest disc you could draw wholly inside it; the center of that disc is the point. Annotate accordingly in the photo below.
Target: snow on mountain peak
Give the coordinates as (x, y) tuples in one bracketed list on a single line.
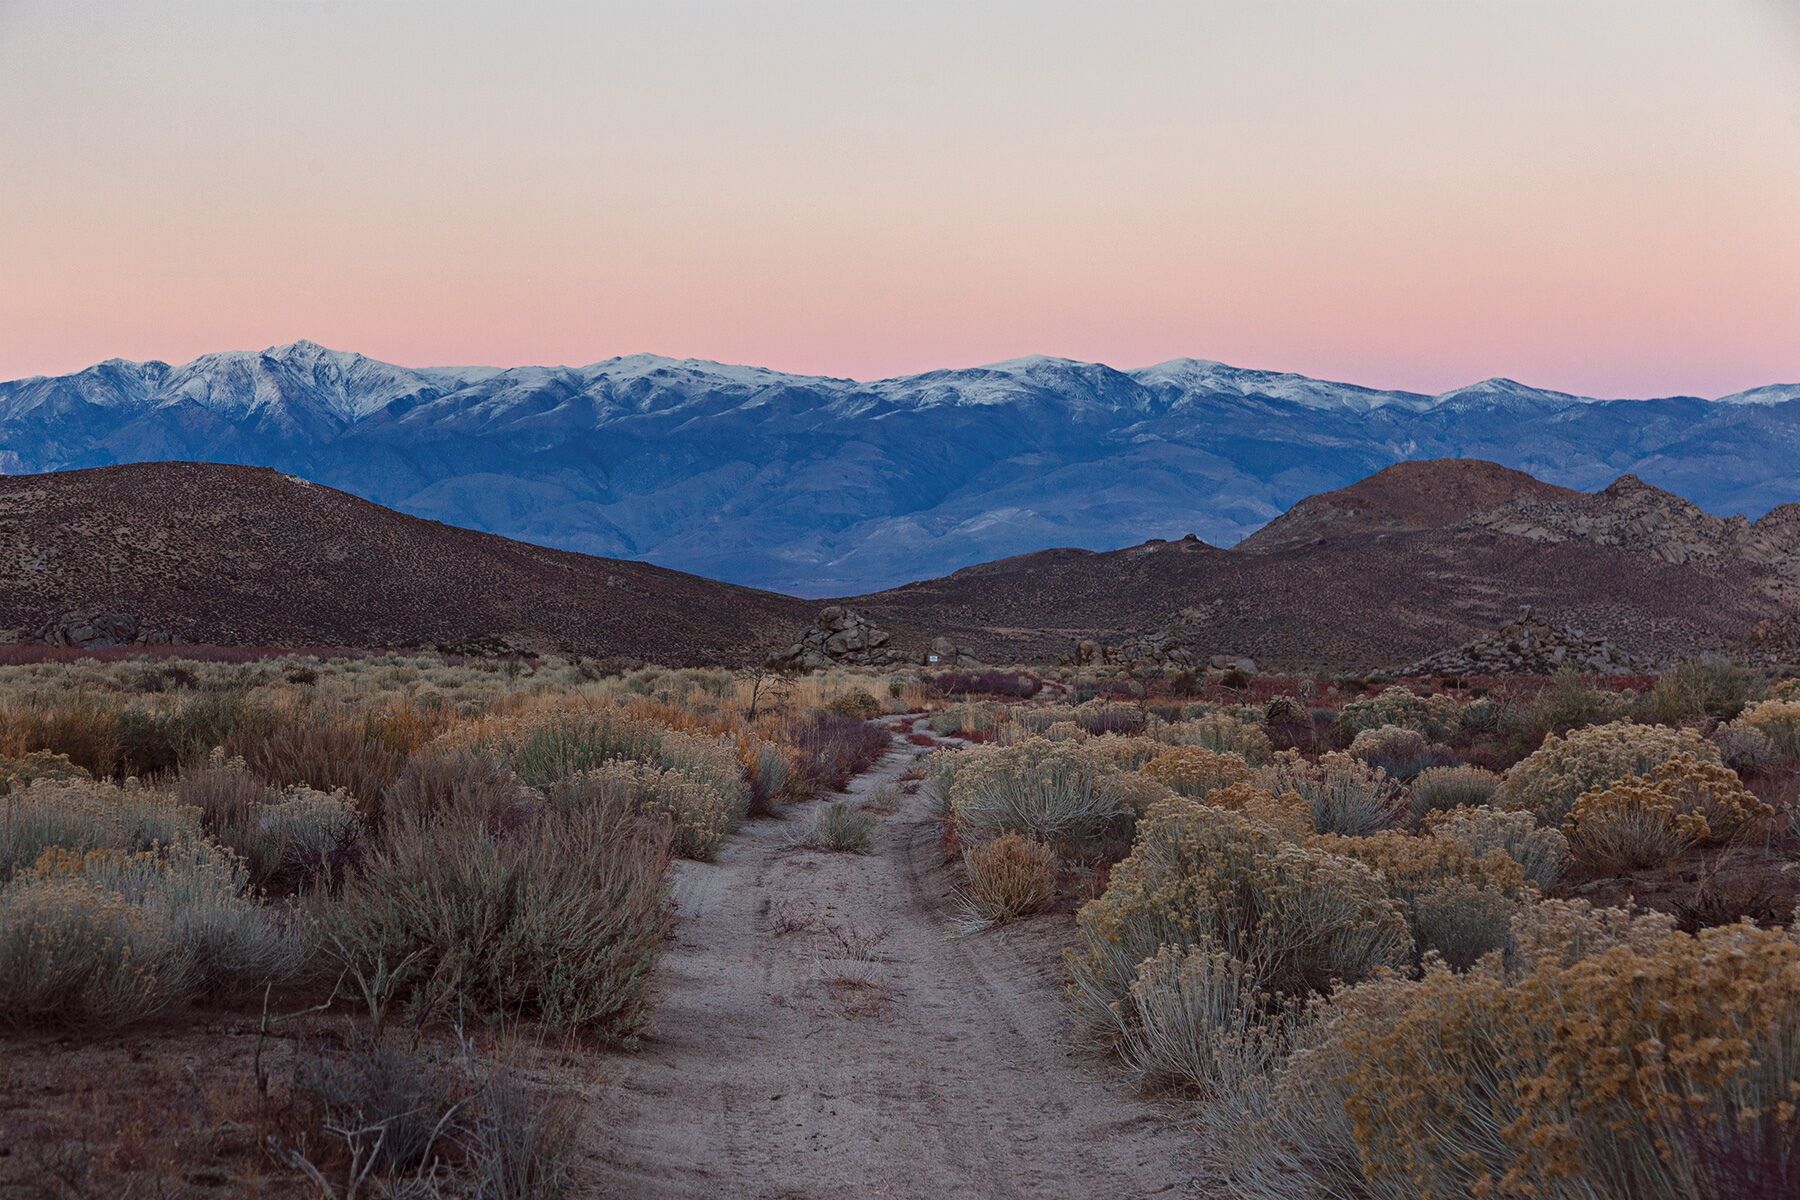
[(1774, 393)]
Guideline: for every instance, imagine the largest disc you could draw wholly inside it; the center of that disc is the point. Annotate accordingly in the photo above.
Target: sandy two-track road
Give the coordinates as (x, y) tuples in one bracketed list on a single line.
[(824, 1033)]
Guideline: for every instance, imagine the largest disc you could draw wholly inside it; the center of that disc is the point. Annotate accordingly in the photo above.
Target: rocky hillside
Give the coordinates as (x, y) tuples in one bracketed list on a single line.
[(1422, 562), (189, 552), (1419, 559)]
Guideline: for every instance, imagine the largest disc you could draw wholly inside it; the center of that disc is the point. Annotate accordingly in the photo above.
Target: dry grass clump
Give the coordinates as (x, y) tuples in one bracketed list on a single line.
[(829, 750), (839, 827), (329, 756), (699, 814), (1195, 771), (286, 839), (1647, 820), (112, 736), (547, 744), (445, 778), (698, 780), (554, 914), (971, 718), (1437, 789), (1556, 774), (1009, 876), (1345, 795), (1702, 689), (1100, 717)]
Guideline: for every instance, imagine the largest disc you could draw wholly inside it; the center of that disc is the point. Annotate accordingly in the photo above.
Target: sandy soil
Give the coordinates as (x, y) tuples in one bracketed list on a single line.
[(823, 1032)]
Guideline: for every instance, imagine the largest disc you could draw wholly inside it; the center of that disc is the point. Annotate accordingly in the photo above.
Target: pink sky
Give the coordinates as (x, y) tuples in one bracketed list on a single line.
[(1596, 195)]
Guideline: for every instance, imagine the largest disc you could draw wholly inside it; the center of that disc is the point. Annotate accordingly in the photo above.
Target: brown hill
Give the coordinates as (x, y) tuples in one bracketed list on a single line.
[(192, 552), (1410, 562), (1416, 560), (1427, 494)]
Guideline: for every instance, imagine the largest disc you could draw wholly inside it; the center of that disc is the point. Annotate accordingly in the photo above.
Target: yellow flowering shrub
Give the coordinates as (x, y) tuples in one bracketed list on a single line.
[(26, 769), (1302, 919), (1410, 863), (1194, 771), (1439, 788), (1779, 721), (80, 956), (1646, 820), (1435, 717), (1125, 753), (1458, 901), (1196, 1019), (1218, 732), (1344, 795), (1542, 854), (1387, 744), (1287, 813), (1562, 932), (81, 814), (1611, 1076), (1134, 792), (1549, 781)]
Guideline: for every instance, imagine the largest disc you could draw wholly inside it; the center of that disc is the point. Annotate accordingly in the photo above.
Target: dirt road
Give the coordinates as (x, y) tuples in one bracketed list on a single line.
[(824, 1033)]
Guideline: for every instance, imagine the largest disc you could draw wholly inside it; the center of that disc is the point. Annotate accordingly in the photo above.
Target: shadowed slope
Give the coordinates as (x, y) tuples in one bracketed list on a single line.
[(246, 556)]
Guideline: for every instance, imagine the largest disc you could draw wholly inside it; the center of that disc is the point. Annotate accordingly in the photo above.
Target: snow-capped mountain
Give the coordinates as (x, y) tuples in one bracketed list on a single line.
[(833, 486)]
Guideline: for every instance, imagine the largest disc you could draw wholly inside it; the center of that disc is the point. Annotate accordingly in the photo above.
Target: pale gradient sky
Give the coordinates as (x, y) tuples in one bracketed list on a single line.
[(1596, 195)]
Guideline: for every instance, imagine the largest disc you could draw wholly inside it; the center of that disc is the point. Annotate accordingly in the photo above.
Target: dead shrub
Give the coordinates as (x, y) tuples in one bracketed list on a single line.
[(327, 756), (554, 915), (1009, 877)]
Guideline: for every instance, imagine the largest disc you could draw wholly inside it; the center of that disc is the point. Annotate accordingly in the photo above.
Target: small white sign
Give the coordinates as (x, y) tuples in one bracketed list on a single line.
[(931, 658)]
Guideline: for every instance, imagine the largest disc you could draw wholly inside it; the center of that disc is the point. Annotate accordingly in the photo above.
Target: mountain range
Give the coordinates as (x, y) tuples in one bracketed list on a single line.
[(817, 486)]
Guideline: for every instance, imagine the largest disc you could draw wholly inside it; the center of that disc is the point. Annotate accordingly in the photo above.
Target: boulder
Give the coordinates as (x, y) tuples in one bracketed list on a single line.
[(1530, 645), (99, 630), (840, 637), (1154, 648)]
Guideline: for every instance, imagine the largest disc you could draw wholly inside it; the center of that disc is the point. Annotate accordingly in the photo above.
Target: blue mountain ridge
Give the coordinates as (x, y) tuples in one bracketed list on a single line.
[(819, 486)]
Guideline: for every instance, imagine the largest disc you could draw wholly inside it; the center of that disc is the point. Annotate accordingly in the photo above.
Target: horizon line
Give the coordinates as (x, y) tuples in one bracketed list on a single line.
[(990, 365)]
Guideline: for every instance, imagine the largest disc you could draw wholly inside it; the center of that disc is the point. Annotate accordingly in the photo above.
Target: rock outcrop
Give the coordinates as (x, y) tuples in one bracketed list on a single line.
[(1530, 645), (840, 637), (99, 630), (1635, 516), (843, 637)]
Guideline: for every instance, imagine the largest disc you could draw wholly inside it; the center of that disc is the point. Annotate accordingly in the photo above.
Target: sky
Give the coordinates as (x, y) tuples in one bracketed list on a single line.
[(1601, 196)]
